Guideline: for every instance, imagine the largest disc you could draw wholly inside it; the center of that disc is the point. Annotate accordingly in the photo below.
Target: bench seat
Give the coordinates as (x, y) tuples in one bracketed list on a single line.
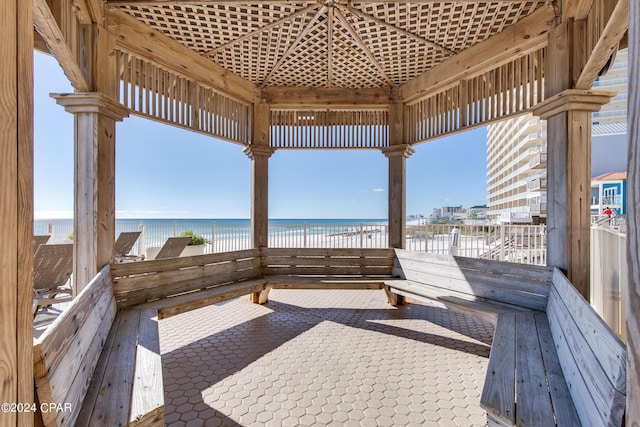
[(456, 301), (524, 384), (174, 305), (104, 362), (126, 387), (326, 282)]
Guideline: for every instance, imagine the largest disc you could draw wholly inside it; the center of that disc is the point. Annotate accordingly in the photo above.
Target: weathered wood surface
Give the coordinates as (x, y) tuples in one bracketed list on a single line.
[(533, 403), (108, 399), (593, 360), (524, 383), (498, 394), (327, 262), (153, 280), (168, 307), (155, 266), (633, 221), (321, 282), (16, 208), (499, 281), (563, 407), (65, 355), (147, 396), (447, 298)]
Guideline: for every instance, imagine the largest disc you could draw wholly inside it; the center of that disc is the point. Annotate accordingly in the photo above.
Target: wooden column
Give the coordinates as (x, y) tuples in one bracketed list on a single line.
[(633, 222), (94, 221), (568, 116), (259, 153), (398, 152), (16, 209)]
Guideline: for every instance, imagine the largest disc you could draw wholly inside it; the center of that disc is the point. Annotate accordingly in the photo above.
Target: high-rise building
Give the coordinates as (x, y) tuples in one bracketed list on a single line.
[(517, 153)]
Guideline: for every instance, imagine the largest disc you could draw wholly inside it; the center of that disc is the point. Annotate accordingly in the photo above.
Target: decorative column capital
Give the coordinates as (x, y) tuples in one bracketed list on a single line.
[(253, 151), (573, 100), (404, 150), (92, 102)]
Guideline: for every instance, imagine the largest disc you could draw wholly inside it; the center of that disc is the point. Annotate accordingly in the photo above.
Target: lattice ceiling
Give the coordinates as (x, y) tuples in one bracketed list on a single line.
[(330, 43)]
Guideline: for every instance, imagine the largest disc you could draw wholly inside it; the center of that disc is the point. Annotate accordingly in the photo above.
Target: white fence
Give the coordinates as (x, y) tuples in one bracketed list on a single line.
[(503, 242), (609, 277), (514, 243)]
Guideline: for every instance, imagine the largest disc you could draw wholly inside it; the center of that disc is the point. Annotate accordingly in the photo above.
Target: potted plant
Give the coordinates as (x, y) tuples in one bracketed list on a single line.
[(196, 245)]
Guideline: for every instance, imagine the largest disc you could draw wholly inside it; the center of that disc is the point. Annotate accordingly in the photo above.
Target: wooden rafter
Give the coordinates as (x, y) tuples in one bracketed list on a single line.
[(614, 30), (416, 37), (261, 29), (295, 43), (46, 25), (330, 47), (356, 37), (527, 35)]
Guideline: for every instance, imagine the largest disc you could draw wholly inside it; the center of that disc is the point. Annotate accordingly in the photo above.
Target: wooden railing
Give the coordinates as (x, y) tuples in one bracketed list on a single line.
[(153, 92), (328, 129), (510, 89)]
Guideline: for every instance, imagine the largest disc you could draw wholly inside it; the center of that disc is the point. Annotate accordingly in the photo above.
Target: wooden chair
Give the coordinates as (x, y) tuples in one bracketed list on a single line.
[(52, 268), (40, 240), (123, 245), (173, 247)]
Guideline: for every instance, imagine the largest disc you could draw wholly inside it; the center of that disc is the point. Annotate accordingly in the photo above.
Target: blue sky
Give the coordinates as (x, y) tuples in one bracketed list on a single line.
[(166, 172)]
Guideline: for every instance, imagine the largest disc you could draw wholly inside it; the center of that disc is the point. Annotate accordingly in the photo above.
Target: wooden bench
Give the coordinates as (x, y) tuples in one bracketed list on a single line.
[(562, 367), (176, 285), (105, 364), (553, 360), (484, 287), (309, 268)]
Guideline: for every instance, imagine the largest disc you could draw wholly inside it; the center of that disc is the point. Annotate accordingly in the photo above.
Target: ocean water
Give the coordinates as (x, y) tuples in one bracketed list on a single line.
[(235, 234)]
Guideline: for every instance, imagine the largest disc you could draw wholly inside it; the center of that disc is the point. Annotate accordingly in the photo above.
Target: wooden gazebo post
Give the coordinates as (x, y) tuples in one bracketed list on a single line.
[(16, 209), (397, 152), (94, 221), (259, 152), (568, 114)]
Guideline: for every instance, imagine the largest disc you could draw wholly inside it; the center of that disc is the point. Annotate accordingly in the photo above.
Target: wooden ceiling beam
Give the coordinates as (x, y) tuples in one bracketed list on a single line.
[(135, 37), (46, 25), (613, 32), (286, 97), (527, 35)]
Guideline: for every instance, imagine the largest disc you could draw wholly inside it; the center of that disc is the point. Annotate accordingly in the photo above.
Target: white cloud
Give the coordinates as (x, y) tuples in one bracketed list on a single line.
[(378, 190)]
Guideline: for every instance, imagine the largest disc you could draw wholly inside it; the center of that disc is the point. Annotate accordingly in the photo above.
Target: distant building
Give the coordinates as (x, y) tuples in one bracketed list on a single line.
[(517, 153), (609, 191), (449, 211)]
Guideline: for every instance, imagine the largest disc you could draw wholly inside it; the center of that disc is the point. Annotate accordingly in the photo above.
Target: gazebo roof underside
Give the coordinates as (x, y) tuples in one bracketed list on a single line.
[(334, 44)]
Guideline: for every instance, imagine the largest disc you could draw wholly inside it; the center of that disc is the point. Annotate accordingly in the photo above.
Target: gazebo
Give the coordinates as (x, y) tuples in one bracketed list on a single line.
[(313, 75)]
